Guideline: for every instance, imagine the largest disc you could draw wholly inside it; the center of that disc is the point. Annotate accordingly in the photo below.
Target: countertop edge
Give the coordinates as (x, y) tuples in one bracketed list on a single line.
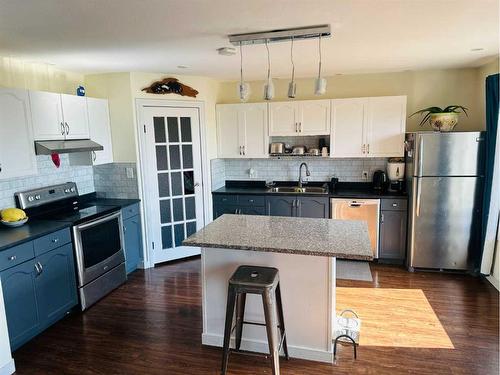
[(36, 236)]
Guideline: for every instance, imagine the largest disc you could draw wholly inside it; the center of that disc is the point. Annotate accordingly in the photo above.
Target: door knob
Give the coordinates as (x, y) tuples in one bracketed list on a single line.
[(196, 184)]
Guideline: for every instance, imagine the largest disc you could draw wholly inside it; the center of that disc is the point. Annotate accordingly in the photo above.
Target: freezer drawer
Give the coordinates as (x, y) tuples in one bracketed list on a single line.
[(367, 210), (444, 222)]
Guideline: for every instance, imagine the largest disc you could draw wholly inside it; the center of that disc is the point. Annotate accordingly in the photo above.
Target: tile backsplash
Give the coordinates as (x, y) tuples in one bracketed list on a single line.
[(112, 181), (288, 169), (48, 174)]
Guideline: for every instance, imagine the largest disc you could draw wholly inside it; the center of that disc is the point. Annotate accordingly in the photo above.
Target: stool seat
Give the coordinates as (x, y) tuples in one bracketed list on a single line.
[(263, 281), (254, 276)]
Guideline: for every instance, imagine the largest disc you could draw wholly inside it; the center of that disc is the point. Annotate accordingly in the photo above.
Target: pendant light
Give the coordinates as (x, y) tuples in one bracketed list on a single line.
[(269, 86), (243, 87), (292, 86), (320, 83)]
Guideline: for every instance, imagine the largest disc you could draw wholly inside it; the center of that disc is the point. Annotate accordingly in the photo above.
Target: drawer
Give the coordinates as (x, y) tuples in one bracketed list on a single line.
[(393, 204), (16, 255), (130, 211), (251, 200), (225, 199), (52, 241)]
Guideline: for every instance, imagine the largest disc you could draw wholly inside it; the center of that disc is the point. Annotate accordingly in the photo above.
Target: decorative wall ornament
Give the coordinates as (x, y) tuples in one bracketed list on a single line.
[(170, 86)]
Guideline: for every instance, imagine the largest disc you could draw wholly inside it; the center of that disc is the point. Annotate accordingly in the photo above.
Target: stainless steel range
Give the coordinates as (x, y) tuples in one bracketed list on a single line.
[(97, 236)]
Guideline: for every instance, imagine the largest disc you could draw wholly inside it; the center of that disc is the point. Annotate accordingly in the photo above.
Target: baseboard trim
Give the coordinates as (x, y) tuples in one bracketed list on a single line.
[(494, 281), (8, 369), (261, 347)]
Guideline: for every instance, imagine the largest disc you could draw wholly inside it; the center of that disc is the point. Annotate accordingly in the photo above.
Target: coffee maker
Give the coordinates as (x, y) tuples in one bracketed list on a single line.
[(396, 174)]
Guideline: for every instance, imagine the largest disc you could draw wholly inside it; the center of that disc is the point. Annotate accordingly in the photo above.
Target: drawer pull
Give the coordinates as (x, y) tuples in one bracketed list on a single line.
[(250, 200), (394, 205), (12, 258), (55, 240)]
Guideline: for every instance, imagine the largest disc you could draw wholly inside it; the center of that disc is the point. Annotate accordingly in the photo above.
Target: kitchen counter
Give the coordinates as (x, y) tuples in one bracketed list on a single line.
[(93, 199), (291, 235), (31, 230)]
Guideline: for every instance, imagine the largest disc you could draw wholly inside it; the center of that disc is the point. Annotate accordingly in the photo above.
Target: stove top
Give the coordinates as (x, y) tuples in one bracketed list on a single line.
[(80, 214)]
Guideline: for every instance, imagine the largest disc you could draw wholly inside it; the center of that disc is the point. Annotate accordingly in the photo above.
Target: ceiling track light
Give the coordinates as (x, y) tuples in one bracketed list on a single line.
[(320, 83), (292, 87), (269, 86), (243, 87), (281, 35)]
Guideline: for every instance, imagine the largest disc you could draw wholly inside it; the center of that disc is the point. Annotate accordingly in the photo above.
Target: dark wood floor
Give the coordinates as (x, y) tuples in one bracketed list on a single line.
[(152, 325)]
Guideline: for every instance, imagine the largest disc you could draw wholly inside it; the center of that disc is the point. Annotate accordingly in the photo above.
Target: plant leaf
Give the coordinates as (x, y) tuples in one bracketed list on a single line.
[(429, 110)]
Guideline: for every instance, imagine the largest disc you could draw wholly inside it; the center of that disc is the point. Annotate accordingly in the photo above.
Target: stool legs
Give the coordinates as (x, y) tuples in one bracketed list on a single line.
[(270, 314), (240, 313), (231, 296), (281, 320)]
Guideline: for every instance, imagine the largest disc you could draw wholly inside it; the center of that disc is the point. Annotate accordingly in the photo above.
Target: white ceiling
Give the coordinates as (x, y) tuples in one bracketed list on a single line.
[(159, 35)]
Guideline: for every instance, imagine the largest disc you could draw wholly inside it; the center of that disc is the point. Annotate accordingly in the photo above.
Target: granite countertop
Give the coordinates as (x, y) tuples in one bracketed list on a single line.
[(291, 235), (31, 230)]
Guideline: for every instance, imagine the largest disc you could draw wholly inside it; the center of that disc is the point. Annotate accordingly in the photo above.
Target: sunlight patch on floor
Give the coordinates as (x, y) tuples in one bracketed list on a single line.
[(394, 317)]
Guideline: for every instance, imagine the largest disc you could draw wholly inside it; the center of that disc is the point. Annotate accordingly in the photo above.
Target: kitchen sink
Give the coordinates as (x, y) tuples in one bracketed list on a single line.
[(298, 190)]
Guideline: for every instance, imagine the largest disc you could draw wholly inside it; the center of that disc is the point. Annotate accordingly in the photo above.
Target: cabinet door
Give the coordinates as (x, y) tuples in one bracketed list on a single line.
[(313, 207), (17, 152), (56, 284), (75, 116), (347, 136), (19, 292), (133, 242), (314, 117), (253, 121), (228, 131), (100, 129), (46, 113), (281, 206), (386, 123), (252, 211), (221, 209), (283, 119), (392, 235)]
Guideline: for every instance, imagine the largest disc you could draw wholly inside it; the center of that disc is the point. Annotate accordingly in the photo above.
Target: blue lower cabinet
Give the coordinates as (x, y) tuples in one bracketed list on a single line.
[(133, 242), (20, 299), (56, 284)]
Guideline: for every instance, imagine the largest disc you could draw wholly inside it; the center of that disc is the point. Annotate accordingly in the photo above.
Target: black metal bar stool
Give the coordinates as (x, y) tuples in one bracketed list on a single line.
[(255, 280)]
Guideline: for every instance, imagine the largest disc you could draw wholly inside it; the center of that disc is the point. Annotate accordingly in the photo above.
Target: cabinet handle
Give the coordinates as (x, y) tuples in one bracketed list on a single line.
[(250, 200), (244, 152), (37, 269), (240, 150), (363, 148), (296, 127), (300, 127), (368, 148), (41, 267), (94, 156), (55, 240), (381, 218), (67, 128), (62, 128), (12, 258)]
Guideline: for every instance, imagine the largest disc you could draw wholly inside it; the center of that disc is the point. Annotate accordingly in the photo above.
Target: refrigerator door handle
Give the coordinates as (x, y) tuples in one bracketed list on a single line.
[(418, 194), (421, 156)]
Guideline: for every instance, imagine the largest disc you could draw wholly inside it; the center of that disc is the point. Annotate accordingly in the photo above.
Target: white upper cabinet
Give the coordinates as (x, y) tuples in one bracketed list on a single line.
[(75, 116), (59, 116), (314, 117), (242, 130), (46, 114), (386, 123), (100, 129), (283, 119), (347, 136), (368, 127), (17, 151)]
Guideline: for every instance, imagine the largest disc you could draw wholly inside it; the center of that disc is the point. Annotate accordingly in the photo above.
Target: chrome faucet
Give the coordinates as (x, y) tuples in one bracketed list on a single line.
[(300, 173)]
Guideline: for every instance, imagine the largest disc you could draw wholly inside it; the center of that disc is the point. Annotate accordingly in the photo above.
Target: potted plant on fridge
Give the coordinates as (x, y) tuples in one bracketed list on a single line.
[(441, 119)]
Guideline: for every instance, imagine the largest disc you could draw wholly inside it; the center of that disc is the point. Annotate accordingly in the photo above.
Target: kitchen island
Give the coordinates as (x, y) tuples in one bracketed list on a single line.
[(304, 250)]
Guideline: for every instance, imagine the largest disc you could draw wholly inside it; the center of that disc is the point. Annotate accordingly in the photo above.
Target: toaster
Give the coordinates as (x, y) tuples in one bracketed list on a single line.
[(277, 148)]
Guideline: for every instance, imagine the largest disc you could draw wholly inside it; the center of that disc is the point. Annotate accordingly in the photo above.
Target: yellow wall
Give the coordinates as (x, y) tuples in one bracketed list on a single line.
[(42, 77), (423, 88)]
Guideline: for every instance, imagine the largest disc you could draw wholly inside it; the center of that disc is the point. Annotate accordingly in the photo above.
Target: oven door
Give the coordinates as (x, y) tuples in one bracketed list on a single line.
[(98, 246)]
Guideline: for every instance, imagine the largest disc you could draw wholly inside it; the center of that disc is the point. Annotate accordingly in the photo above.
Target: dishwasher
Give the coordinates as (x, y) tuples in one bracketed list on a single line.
[(367, 210)]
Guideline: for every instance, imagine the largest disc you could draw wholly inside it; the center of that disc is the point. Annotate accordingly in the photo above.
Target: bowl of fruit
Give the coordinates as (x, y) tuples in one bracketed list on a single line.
[(13, 217)]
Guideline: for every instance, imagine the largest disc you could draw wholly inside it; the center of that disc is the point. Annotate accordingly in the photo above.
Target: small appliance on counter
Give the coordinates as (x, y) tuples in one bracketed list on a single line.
[(396, 174), (379, 181), (299, 150), (277, 148)]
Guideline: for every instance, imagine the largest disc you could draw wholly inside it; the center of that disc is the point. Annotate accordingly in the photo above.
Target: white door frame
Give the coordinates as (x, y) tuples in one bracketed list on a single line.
[(140, 104)]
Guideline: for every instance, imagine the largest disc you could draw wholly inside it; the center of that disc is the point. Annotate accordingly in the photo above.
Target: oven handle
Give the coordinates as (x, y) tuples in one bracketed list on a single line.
[(98, 221)]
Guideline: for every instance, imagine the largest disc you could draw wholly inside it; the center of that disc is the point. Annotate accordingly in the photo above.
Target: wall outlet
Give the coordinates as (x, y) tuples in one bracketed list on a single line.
[(364, 175), (130, 172), (252, 173)]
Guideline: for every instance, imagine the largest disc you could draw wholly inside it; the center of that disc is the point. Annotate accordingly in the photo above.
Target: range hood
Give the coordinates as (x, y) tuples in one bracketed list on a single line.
[(66, 147)]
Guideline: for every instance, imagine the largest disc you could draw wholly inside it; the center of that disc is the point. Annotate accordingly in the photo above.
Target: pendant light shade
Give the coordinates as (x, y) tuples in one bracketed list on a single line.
[(320, 82), (243, 89), (292, 87), (269, 86)]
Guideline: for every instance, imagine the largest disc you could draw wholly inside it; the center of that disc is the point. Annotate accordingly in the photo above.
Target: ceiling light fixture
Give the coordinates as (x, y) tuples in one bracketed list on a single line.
[(292, 87), (269, 86), (243, 87), (320, 83)]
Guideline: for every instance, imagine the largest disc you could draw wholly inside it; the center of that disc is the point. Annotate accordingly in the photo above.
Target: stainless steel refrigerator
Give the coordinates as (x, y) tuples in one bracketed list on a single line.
[(444, 181)]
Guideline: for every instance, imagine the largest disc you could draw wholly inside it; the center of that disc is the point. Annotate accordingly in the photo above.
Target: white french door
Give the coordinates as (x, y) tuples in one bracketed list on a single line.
[(172, 180)]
